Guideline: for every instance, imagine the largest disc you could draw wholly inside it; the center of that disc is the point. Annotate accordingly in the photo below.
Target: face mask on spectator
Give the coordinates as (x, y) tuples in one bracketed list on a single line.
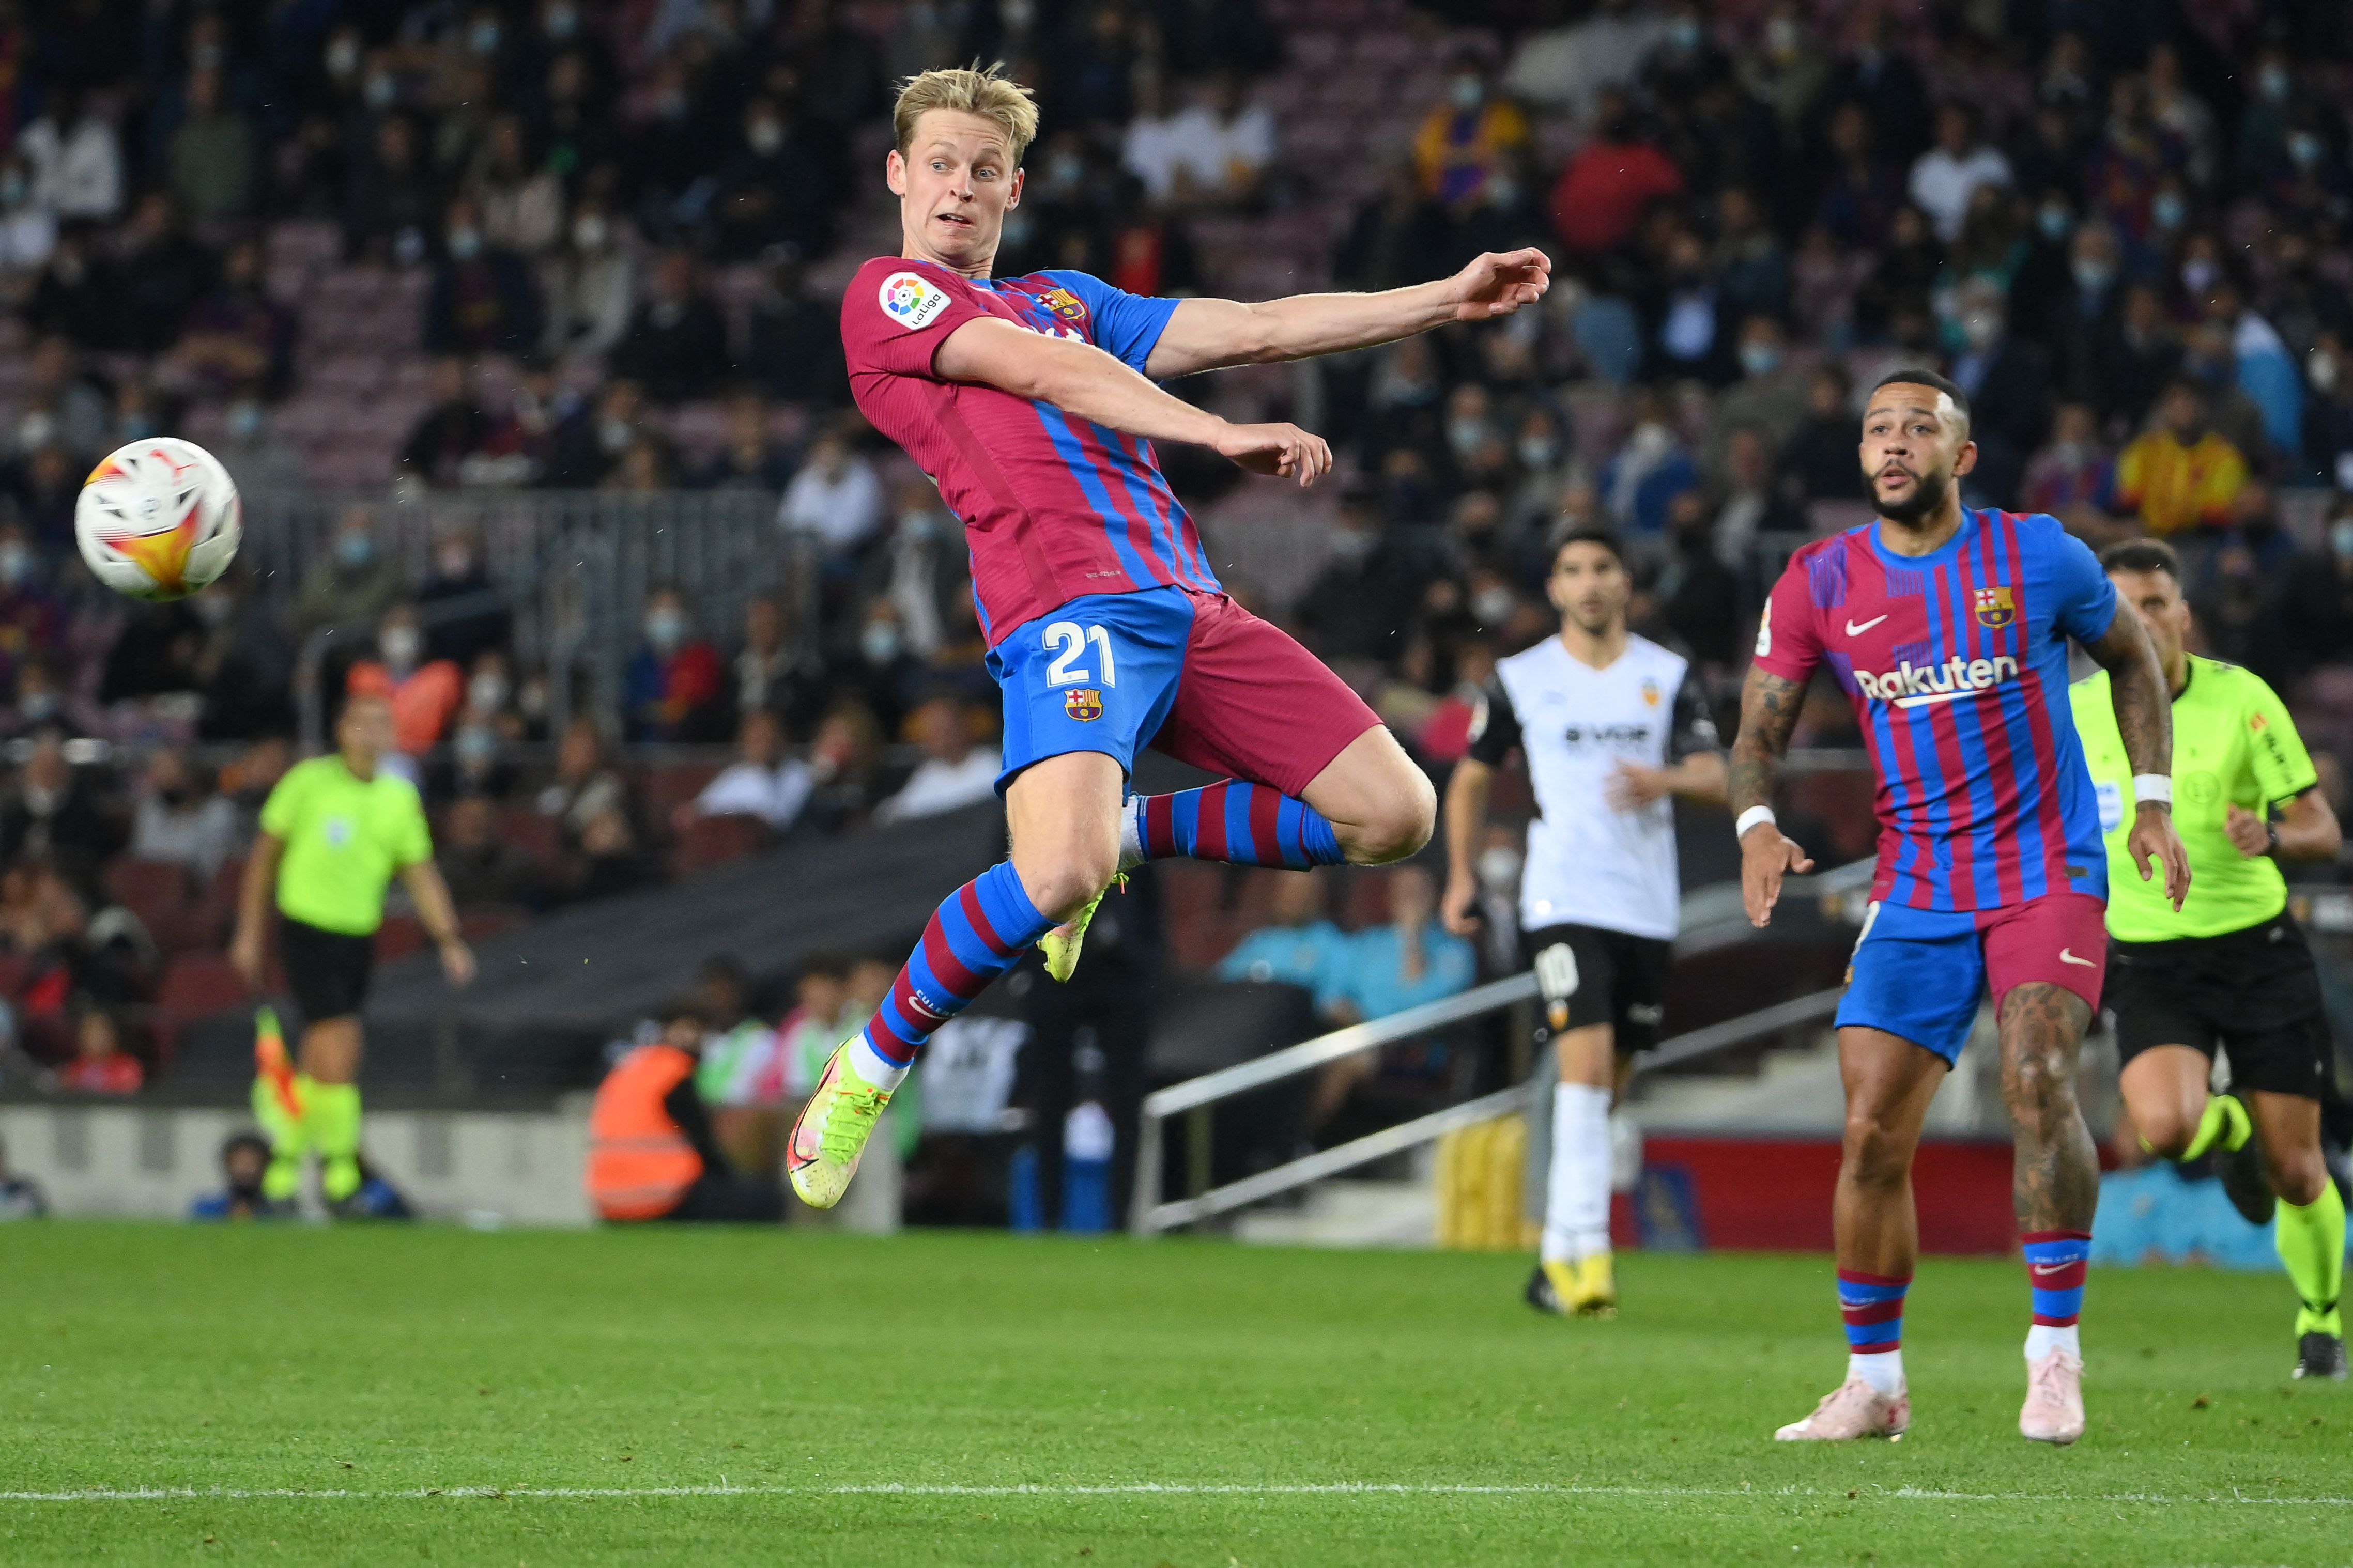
[(1066, 169), (562, 21), (1466, 436), (35, 431), (766, 136), (665, 629), (15, 564), (1539, 451), (1759, 359), (454, 560), (2092, 276), (1494, 606), (35, 706), (1499, 869), (2340, 537), (2197, 274), (1468, 92), (381, 90), (355, 550), (1683, 35), (401, 647), (672, 105), (476, 745), (1980, 328), (2305, 148), (213, 608), (1354, 543), (2169, 211), (244, 419), (614, 436), (918, 526), (1503, 191), (2320, 369), (1781, 38), (488, 691), (2272, 82), (13, 189), (465, 244), (590, 233), (485, 36), (2056, 223), (343, 57), (879, 642)]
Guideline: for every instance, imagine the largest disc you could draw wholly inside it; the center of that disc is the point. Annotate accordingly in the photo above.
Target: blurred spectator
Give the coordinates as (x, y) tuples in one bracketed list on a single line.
[(2075, 476), (585, 450), (1569, 69), (215, 160), (44, 487), (246, 662), (1822, 457), (751, 459), (244, 1158), (393, 202), (1299, 946), (1650, 470), (836, 497), (28, 232), (676, 345), (590, 284), (644, 468), (740, 1076), (764, 781), (154, 657), (1696, 592), (520, 201), (1771, 396), (1217, 150), (1945, 177), (2328, 415), (42, 918), (20, 1197), (32, 618), (48, 809), (1689, 331), (72, 399), (179, 818), (2313, 621), (482, 300), (101, 1065), (920, 568), (2007, 381), (480, 864), (259, 461), (424, 692), (74, 157), (794, 343), (477, 762), (2266, 371), (1748, 502), (1398, 236), (846, 760), (463, 612), (353, 584), (1611, 182), (1466, 142), (773, 671), (955, 771), (2179, 473), (778, 186), (585, 786), (157, 282), (651, 1152), (674, 688), (1367, 590), (452, 431), (1410, 959), (71, 296), (239, 338)]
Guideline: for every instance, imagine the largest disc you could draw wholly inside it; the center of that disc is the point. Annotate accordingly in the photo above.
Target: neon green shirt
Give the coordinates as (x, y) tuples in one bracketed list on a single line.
[(346, 838), (2233, 742)]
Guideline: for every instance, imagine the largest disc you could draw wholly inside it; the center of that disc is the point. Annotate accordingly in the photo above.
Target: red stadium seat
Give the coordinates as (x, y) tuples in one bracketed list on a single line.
[(194, 984), (148, 889), (399, 936), (538, 836), (711, 841), (670, 785)]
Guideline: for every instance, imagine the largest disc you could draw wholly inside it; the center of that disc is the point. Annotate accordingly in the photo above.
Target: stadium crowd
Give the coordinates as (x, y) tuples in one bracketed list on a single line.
[(601, 230)]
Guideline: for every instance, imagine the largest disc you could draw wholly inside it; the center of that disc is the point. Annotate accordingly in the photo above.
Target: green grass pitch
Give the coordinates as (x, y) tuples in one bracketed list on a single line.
[(399, 1396)]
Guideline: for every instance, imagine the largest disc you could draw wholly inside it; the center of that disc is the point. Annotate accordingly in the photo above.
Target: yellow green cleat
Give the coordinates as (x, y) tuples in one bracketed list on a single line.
[(1061, 944), (832, 1130)]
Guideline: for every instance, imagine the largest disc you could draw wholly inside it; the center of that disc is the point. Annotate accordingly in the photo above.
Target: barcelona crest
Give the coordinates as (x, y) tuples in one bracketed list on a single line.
[(1083, 703), (1995, 607), (1063, 303)]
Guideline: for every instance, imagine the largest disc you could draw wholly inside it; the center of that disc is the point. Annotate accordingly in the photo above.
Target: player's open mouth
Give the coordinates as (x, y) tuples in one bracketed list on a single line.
[(960, 221)]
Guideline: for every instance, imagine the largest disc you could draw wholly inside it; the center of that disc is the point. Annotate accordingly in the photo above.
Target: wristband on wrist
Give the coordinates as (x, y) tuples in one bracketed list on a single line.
[(2271, 831), (2152, 789), (1750, 818)]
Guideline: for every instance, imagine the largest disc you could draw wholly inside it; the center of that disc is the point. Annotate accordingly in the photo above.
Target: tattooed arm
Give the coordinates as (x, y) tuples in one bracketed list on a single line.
[(1769, 714), (2144, 703)]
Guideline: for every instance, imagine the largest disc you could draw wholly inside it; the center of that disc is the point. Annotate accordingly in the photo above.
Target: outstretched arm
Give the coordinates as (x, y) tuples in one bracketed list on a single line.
[(1204, 334), (1086, 382), (2144, 704), (1466, 822), (1769, 705)]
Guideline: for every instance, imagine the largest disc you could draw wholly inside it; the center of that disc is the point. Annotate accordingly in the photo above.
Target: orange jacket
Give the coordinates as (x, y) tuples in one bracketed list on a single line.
[(421, 705), (639, 1162)]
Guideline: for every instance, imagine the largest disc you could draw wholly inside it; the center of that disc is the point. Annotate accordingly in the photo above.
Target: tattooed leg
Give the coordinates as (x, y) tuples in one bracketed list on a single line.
[(2055, 1181)]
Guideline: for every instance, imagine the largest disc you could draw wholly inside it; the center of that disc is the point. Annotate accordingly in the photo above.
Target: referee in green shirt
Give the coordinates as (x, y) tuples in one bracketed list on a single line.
[(334, 832), (2231, 968)]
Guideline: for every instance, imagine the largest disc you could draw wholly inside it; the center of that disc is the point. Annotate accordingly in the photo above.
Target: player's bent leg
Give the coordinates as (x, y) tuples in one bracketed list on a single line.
[(1381, 806), (329, 1090), (2310, 1233), (1063, 815), (2165, 1093), (2055, 1187), (1576, 1275)]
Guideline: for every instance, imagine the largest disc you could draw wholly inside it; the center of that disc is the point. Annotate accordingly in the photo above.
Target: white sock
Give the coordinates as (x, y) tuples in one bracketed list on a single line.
[(1883, 1370), (1576, 1195), (1131, 834), (870, 1064), (2043, 1338)]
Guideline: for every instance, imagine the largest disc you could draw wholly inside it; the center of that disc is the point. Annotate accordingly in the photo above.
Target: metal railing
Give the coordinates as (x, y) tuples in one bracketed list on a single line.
[(1193, 1098)]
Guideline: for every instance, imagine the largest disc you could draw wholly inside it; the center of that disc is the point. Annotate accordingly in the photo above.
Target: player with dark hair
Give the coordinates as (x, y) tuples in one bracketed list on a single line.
[(1612, 726), (2230, 968), (1947, 629), (1032, 403)]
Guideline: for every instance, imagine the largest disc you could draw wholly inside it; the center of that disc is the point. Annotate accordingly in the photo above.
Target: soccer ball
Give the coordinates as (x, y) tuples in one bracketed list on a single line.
[(158, 519)]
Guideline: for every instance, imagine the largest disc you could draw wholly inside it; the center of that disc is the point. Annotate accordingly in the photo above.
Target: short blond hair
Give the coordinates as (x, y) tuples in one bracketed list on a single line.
[(968, 89)]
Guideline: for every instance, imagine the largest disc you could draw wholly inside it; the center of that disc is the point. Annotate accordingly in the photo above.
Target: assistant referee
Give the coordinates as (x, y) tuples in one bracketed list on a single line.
[(2231, 968), (334, 832)]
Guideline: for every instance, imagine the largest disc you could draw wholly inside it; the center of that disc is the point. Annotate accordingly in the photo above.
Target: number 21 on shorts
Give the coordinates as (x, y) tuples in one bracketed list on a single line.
[(1067, 641)]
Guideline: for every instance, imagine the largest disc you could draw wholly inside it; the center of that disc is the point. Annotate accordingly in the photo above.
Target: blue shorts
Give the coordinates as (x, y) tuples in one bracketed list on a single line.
[(1099, 674), (1919, 973)]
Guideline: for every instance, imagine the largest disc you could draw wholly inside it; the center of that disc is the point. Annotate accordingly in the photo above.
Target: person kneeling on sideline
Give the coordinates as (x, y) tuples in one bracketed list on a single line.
[(652, 1155)]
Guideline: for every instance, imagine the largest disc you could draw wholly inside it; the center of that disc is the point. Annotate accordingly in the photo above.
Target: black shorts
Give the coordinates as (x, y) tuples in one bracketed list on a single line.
[(327, 971), (2255, 991), (1587, 975)]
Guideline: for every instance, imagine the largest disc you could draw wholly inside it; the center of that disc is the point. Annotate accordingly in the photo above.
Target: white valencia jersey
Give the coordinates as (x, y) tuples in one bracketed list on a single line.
[(1589, 863)]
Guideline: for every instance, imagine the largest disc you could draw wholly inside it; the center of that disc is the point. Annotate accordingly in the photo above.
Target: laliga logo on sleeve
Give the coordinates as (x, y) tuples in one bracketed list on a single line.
[(910, 300)]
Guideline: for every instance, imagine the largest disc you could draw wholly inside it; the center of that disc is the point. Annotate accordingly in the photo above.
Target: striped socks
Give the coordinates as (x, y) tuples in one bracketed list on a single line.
[(2055, 1264), (977, 933), (1873, 1306), (1243, 824)]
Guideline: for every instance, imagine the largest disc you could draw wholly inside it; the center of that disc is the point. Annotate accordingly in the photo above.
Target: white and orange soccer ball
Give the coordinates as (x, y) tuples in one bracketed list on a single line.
[(159, 519)]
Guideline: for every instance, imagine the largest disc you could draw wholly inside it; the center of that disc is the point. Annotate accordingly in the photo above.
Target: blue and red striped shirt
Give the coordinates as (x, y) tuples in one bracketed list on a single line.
[(1956, 663), (1053, 507)]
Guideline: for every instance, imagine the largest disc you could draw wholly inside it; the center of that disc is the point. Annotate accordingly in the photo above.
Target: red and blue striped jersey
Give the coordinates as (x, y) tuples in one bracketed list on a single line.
[(1053, 507), (1956, 663)]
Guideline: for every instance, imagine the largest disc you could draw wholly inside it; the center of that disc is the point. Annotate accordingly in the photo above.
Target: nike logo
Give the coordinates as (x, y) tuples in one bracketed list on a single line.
[(2041, 1268), (1853, 630), (2067, 957)]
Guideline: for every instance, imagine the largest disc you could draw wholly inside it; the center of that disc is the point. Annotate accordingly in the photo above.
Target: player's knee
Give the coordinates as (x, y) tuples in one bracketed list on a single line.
[(1877, 1155), (2036, 1084), (1398, 823), (2297, 1175), (1060, 881)]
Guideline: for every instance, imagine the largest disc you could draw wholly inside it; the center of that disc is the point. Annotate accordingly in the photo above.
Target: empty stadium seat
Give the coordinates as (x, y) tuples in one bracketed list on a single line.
[(711, 841)]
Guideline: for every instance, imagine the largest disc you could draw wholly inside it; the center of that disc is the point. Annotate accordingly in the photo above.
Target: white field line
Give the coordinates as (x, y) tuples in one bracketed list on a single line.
[(1139, 1489)]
